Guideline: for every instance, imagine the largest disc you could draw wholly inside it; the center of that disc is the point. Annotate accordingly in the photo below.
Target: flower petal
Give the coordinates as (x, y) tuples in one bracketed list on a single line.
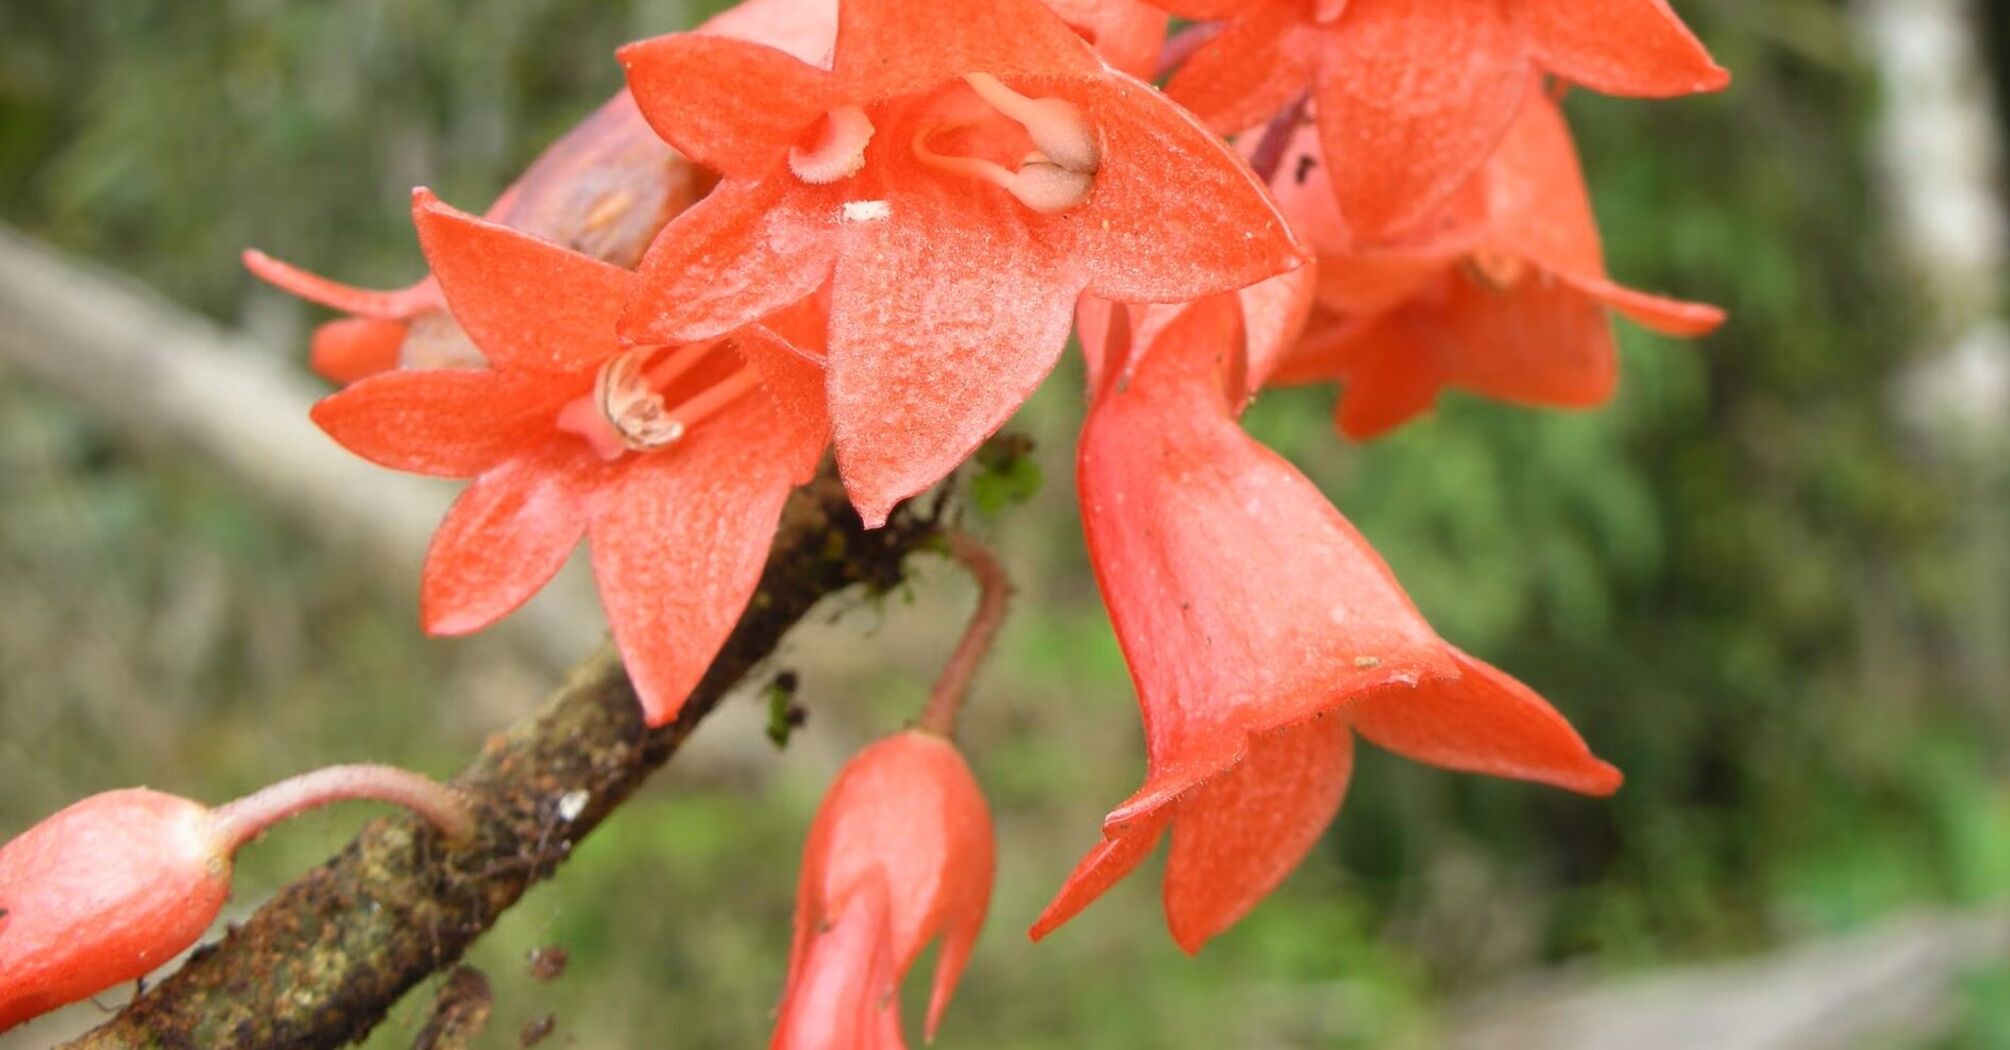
[(354, 347), (803, 28), (1249, 71), (1403, 127), (1104, 867), (945, 315), (894, 47), (529, 305), (795, 386), (1541, 342), (1482, 721), (1675, 317), (679, 540), (1390, 376), (1228, 233), (1235, 839), (1127, 33), (451, 422), (505, 537), (733, 106), (1619, 47), (1216, 10), (746, 251), (841, 992), (364, 302)]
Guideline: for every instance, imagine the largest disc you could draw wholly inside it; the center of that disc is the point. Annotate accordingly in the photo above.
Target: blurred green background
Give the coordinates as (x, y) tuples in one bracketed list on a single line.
[(1773, 606)]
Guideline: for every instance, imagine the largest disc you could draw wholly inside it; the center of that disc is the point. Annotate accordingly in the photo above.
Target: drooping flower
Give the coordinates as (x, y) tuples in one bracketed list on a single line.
[(1505, 294), (1262, 634), (674, 462), (960, 173), (900, 853), (1412, 95), (112, 887), (604, 188)]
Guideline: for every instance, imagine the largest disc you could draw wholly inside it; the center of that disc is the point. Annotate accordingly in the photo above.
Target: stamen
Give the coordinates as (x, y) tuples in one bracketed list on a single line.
[(1497, 270), (627, 412), (1039, 183), (631, 406), (839, 152), (1056, 126)]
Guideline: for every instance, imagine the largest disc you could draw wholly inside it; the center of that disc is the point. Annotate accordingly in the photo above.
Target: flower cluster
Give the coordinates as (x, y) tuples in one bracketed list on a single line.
[(869, 227)]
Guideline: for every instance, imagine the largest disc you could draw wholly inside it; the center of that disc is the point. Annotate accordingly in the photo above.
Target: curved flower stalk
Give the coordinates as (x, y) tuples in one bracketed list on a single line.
[(1505, 295), (112, 887), (674, 462), (1412, 95), (900, 853), (1263, 634), (960, 173)]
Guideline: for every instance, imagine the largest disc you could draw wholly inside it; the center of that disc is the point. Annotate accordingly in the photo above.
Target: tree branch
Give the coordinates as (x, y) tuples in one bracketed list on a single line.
[(325, 958)]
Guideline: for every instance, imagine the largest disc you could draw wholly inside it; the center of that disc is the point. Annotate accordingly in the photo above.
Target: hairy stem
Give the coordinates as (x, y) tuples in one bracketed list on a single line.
[(239, 822), (994, 596)]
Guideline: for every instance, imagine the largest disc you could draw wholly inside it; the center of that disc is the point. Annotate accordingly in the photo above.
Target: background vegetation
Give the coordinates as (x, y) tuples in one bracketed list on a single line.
[(1771, 605)]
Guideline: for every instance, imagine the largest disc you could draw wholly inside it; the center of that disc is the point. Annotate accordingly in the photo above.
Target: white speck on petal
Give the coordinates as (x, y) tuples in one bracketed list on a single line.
[(572, 804), (867, 211)]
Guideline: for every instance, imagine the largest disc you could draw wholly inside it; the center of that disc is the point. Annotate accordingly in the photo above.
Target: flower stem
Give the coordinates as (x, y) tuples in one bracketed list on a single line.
[(994, 589), (237, 823)]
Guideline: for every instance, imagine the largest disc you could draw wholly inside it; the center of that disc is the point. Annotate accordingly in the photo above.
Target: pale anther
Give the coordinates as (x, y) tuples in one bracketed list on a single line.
[(839, 152), (627, 402)]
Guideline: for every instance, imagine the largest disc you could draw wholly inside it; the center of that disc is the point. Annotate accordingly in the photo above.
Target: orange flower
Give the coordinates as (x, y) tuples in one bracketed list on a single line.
[(900, 853), (1505, 295), (960, 174), (1412, 95), (1262, 634)]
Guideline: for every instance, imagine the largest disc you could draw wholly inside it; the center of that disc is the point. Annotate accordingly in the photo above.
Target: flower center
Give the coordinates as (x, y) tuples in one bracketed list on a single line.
[(1059, 172), (630, 407)]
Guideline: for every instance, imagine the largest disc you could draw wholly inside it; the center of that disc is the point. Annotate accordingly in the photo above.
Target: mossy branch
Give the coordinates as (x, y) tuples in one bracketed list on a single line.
[(321, 963)]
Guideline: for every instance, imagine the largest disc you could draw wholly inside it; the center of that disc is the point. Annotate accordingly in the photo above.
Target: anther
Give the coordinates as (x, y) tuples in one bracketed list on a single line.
[(839, 151), (1497, 270), (631, 406), (1056, 126), (1060, 171)]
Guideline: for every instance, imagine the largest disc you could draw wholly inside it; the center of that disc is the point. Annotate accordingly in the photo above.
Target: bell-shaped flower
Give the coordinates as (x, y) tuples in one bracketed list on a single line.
[(1262, 635), (605, 188), (960, 173), (1504, 294), (1412, 95), (673, 461), (900, 853)]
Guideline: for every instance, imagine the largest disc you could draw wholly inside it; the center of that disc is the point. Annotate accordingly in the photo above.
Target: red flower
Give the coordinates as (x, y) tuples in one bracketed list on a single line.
[(674, 462), (604, 188), (901, 852), (1262, 633), (1507, 296), (961, 173), (102, 893), (1412, 95)]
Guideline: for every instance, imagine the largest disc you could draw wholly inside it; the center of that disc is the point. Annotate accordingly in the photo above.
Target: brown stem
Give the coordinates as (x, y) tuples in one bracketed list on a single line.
[(319, 964), (237, 823), (994, 595)]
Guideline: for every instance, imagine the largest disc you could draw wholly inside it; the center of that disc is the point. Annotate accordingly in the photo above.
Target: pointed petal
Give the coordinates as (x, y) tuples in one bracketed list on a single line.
[(1237, 838), (1537, 202), (506, 535), (679, 540), (894, 47), (1403, 129), (1274, 312), (449, 422), (733, 106), (530, 305), (1229, 234), (795, 386), (355, 347), (1619, 47), (1390, 375), (364, 302), (1482, 721), (1541, 342), (1104, 867), (944, 317), (1250, 71), (1668, 316), (746, 251), (841, 995)]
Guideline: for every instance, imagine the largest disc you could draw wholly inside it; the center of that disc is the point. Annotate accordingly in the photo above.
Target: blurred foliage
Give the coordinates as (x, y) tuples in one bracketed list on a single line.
[(1745, 586)]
